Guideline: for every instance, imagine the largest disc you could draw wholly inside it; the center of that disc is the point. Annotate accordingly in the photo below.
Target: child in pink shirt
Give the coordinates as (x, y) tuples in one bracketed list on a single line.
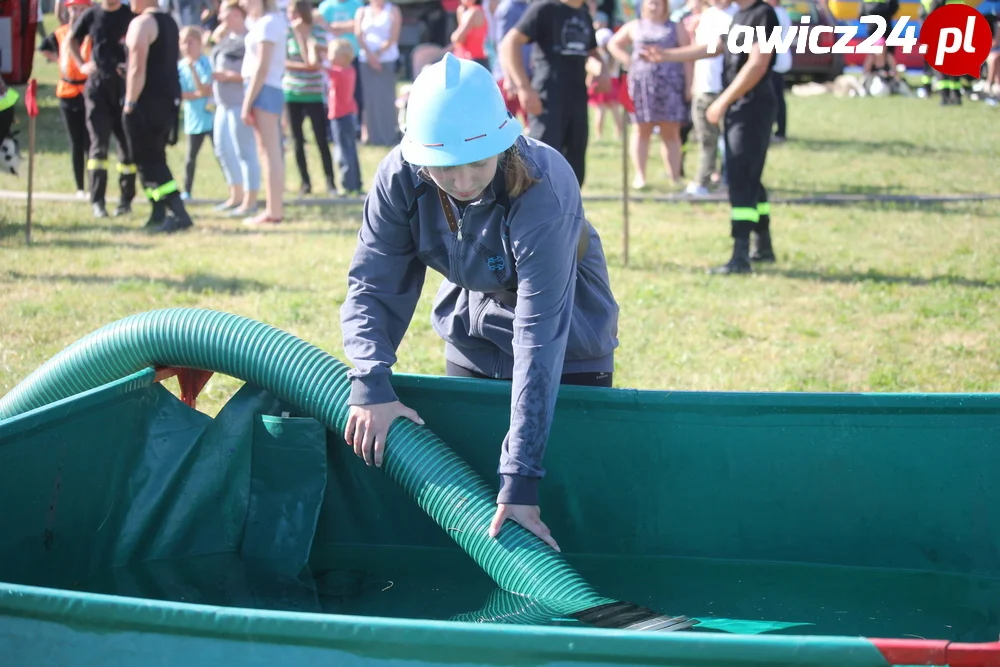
[(343, 112)]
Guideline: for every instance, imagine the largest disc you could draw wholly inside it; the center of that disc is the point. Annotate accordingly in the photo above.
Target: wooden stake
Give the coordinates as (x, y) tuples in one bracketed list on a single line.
[(31, 105), (31, 174)]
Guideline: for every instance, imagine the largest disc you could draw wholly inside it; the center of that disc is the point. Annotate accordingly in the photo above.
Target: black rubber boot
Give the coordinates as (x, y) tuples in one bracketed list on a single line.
[(158, 215), (178, 220), (739, 262), (762, 250)]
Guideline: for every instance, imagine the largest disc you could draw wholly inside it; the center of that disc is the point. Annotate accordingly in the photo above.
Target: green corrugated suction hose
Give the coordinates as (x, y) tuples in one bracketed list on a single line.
[(304, 376)]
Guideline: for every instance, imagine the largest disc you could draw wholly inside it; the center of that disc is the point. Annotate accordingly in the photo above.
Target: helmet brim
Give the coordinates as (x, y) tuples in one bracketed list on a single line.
[(472, 151)]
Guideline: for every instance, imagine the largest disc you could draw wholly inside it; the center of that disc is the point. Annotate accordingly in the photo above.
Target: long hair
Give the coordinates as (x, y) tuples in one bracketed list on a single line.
[(517, 175), (304, 9)]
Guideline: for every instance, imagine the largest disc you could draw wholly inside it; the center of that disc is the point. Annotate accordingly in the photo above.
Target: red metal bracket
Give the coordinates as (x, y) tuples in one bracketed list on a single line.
[(191, 380), (938, 652)]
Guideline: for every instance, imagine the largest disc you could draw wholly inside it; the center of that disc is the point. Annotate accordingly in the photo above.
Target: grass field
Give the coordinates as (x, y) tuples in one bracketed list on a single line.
[(868, 297)]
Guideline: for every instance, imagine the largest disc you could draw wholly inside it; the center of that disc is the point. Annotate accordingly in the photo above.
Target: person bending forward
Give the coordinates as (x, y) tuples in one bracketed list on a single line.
[(526, 295)]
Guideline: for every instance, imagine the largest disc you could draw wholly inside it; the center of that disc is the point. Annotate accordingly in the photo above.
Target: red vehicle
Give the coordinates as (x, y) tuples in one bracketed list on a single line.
[(18, 24), (814, 66)]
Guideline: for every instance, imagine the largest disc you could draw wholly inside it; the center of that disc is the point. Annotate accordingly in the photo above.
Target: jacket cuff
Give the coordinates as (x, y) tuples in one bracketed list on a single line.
[(371, 390), (518, 490)]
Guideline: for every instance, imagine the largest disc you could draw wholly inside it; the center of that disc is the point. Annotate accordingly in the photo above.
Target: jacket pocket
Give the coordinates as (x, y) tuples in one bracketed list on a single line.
[(492, 321)]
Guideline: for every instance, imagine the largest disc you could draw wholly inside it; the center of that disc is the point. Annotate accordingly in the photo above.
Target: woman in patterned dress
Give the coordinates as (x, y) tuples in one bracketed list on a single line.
[(660, 92)]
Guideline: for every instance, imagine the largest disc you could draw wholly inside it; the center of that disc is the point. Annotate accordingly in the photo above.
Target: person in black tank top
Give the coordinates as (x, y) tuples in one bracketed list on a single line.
[(152, 111)]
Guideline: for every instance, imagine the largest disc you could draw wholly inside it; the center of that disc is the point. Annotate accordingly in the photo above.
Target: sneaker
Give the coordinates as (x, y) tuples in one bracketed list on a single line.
[(122, 210), (243, 212), (99, 210), (695, 190), (185, 196), (81, 194)]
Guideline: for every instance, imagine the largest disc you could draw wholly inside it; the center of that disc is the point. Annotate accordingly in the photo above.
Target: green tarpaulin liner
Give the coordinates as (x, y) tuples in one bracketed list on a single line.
[(259, 538)]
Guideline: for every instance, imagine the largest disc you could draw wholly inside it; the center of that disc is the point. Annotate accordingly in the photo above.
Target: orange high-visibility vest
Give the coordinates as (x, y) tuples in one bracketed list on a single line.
[(71, 79)]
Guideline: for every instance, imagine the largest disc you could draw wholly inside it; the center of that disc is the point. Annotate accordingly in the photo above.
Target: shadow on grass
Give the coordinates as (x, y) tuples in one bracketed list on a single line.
[(880, 278), (81, 244), (970, 207), (279, 229), (217, 228), (818, 276), (196, 283), (882, 148), (845, 189)]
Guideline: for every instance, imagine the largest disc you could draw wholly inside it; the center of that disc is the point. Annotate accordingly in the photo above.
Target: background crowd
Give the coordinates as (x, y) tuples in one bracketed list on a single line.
[(340, 67)]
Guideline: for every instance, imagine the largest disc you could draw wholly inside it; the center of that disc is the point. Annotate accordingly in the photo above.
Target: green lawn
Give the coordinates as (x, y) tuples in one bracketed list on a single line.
[(872, 297)]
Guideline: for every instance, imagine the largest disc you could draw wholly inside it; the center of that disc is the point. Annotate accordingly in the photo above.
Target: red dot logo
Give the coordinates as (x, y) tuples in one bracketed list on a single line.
[(955, 40)]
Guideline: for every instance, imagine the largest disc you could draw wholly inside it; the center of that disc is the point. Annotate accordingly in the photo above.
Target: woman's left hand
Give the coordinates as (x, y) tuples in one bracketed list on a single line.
[(715, 111), (529, 516)]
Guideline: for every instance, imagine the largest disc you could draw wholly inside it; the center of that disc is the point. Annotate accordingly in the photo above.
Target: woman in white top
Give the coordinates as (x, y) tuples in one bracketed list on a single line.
[(263, 101), (377, 26)]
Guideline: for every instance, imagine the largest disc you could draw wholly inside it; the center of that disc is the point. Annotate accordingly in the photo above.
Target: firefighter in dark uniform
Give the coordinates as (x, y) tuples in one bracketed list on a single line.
[(152, 110), (952, 86), (106, 25), (927, 76), (747, 106)]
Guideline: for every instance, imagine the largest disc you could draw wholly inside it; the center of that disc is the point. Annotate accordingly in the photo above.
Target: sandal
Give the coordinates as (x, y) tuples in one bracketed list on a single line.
[(261, 219)]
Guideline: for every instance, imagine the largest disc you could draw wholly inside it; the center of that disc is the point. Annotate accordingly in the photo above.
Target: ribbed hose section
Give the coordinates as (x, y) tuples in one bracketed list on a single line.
[(316, 384), (507, 608)]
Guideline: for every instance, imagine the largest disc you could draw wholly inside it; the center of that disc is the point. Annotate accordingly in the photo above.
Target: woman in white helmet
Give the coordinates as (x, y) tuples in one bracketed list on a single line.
[(526, 295)]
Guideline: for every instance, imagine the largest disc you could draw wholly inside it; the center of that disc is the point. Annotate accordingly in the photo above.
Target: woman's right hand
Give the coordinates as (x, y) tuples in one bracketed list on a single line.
[(368, 426)]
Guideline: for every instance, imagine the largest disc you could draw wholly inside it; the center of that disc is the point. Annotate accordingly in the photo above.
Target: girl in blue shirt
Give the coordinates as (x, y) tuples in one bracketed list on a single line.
[(526, 295), (195, 71)]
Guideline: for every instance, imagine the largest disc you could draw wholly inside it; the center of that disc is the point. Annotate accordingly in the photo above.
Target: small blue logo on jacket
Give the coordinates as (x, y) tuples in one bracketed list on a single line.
[(496, 263)]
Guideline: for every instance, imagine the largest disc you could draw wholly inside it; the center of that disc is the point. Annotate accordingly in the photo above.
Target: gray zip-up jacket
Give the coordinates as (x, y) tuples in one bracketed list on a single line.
[(564, 320)]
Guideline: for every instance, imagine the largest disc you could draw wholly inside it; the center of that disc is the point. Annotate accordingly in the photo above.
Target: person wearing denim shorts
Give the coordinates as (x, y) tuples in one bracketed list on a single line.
[(263, 100)]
